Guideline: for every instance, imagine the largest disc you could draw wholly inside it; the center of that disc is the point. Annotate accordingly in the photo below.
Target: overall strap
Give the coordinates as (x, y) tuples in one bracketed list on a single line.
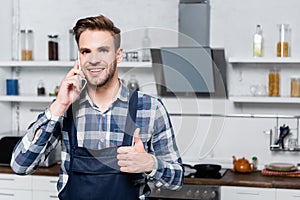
[(71, 129), (131, 118)]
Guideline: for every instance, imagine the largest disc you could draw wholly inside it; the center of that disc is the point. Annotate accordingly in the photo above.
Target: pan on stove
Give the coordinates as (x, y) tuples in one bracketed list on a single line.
[(202, 170)]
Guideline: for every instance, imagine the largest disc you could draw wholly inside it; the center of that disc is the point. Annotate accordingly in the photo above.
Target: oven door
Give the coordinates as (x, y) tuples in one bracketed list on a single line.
[(204, 192)]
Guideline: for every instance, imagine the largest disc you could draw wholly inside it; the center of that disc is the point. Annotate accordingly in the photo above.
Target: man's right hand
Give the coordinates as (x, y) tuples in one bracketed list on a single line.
[(68, 92)]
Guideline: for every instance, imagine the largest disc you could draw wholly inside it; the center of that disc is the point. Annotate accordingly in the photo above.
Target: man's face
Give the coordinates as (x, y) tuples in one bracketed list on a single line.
[(98, 57)]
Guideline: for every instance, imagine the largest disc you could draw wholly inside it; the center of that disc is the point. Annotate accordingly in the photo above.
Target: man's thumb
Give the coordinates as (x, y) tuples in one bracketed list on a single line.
[(136, 136)]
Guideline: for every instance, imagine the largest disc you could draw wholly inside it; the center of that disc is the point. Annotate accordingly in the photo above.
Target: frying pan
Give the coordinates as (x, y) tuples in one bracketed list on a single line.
[(203, 170)]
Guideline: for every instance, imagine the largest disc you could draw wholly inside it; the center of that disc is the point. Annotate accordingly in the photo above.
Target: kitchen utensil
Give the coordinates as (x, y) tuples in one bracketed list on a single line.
[(202, 170), (284, 131)]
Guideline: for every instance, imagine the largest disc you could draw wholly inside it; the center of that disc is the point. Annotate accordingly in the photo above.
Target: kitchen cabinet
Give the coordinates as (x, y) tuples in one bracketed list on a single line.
[(287, 194), (254, 193), (247, 193), (14, 187), (249, 72), (44, 187)]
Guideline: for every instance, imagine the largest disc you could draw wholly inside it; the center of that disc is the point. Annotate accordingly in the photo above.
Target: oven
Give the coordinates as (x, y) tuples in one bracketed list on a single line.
[(189, 192)]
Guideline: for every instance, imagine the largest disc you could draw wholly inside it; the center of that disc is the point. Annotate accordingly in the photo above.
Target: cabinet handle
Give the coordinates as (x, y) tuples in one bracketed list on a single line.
[(53, 197), (7, 194), (7, 179), (247, 193), (52, 181)]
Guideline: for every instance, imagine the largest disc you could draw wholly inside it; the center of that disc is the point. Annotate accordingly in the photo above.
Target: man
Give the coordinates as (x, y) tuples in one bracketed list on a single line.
[(114, 140)]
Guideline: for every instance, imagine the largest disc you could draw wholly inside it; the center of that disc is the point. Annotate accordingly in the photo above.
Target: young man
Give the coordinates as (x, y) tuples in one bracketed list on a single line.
[(114, 140)]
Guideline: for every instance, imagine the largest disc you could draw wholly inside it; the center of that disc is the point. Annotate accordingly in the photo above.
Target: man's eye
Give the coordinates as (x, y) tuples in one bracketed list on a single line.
[(103, 50)]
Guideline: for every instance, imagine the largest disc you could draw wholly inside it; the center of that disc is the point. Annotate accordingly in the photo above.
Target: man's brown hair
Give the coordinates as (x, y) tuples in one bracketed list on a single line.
[(97, 23)]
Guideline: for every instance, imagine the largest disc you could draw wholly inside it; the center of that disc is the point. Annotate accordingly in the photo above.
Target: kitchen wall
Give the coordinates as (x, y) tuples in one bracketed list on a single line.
[(200, 139)]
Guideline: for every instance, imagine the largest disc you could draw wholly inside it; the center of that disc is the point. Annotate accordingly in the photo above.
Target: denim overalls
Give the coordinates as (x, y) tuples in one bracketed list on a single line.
[(94, 174)]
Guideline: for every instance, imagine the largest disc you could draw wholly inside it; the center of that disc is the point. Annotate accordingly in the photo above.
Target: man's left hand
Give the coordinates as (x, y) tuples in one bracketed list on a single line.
[(134, 159)]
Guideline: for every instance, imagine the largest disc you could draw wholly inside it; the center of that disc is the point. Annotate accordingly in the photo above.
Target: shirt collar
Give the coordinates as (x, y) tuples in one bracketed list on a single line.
[(122, 95)]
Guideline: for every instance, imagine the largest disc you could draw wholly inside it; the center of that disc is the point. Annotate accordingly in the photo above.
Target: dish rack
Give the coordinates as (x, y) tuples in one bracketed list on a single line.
[(279, 139)]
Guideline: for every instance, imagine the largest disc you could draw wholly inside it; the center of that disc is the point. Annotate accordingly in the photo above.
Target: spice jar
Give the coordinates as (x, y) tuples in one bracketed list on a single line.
[(26, 44), (41, 88), (295, 87), (283, 43), (53, 47), (274, 81)]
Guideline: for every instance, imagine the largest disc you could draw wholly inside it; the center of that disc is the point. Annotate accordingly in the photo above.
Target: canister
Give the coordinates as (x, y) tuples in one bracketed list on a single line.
[(295, 86), (274, 82), (283, 43), (53, 47), (27, 44)]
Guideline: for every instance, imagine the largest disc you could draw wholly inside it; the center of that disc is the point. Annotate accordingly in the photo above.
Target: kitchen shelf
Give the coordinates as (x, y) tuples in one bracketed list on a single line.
[(254, 60), (256, 99), (64, 64), (26, 98)]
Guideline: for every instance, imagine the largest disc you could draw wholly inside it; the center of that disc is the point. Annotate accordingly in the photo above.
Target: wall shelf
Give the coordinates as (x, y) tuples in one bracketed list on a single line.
[(27, 98), (254, 60), (256, 99), (64, 64)]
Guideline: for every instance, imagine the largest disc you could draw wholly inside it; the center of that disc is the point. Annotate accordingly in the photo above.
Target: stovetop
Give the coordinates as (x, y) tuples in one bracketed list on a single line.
[(194, 174)]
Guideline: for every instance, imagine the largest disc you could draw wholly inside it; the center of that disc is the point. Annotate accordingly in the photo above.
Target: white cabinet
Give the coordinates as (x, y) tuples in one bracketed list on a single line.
[(247, 193), (44, 187), (287, 194), (14, 187)]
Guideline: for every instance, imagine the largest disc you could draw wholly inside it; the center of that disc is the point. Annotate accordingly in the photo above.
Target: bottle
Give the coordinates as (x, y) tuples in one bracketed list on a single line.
[(53, 47), (146, 44), (257, 42), (26, 44), (274, 81), (283, 43), (133, 83)]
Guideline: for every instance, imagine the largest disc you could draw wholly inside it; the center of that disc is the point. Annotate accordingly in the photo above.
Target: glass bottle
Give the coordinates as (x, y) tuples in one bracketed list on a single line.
[(53, 47), (72, 46), (133, 83), (283, 43), (146, 44), (26, 44), (274, 83), (257, 42)]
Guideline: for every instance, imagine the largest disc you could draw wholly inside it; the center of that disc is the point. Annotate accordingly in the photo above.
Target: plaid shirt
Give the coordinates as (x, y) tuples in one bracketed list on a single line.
[(98, 130)]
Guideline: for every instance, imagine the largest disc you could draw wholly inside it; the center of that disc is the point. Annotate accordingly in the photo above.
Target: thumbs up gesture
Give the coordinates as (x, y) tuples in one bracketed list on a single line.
[(134, 159)]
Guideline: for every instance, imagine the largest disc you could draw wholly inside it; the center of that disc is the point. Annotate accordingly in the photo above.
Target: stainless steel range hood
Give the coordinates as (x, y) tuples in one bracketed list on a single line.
[(194, 23)]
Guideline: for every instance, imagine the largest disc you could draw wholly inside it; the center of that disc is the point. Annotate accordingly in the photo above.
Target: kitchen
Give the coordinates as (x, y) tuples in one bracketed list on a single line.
[(239, 128)]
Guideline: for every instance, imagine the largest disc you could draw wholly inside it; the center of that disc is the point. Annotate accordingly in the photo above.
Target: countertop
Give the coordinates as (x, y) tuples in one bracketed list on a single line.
[(254, 179)]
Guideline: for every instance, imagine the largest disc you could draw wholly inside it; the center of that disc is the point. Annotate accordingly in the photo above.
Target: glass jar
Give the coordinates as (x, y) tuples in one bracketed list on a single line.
[(53, 47), (295, 87), (26, 44), (283, 43), (41, 88), (72, 45), (274, 83)]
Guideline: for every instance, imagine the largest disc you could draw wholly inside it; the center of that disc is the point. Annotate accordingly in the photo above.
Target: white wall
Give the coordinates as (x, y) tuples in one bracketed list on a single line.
[(232, 27)]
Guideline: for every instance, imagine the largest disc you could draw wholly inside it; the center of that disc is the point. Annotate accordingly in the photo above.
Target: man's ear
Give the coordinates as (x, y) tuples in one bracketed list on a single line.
[(119, 56)]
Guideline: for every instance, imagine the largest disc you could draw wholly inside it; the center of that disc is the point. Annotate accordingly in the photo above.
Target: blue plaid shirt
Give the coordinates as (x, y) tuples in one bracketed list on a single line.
[(98, 130)]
